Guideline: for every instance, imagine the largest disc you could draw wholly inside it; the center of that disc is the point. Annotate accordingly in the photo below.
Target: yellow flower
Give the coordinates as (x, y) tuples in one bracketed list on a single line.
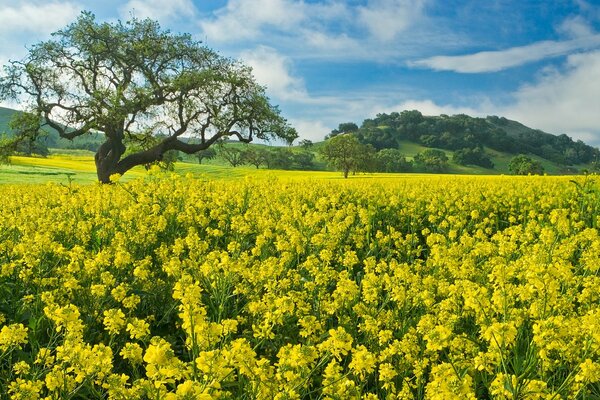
[(114, 320), (138, 328), (14, 335), (338, 344), (132, 352), (363, 362)]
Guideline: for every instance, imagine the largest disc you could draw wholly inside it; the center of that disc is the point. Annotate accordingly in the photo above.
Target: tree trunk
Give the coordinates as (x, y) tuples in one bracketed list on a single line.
[(107, 157), (346, 171), (109, 162)]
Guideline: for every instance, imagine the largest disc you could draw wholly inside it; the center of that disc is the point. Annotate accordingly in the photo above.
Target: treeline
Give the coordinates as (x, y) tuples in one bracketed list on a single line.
[(345, 153), (468, 135), (271, 158)]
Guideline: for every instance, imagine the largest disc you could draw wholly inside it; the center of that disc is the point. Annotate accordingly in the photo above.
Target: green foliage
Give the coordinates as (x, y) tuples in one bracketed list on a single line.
[(473, 156), (207, 154), (306, 144), (344, 127), (523, 165), (49, 137), (345, 153), (430, 160), (27, 137), (233, 155), (282, 158), (254, 156), (392, 160), (461, 131)]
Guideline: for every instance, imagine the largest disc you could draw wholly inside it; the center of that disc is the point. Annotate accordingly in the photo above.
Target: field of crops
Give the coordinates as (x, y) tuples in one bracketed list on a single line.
[(419, 287)]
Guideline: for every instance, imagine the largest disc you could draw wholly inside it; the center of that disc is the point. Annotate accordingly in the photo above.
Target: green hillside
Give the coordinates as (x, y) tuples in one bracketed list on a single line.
[(491, 140)]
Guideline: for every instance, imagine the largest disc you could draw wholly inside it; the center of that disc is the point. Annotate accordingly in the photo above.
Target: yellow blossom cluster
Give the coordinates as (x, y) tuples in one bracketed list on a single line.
[(174, 287)]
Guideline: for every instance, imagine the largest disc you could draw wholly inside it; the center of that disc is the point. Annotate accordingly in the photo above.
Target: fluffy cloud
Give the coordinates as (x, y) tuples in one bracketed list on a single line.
[(493, 61), (330, 29), (311, 129), (563, 101), (429, 107), (245, 19), (30, 18), (385, 19), (157, 9), (273, 70)]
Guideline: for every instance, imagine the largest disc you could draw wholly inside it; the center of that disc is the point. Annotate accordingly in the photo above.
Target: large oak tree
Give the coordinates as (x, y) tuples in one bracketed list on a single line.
[(134, 83)]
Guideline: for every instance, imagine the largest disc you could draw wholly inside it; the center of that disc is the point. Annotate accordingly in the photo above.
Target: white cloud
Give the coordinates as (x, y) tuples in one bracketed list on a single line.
[(385, 19), (311, 129), (330, 29), (20, 17), (429, 107), (576, 26), (493, 61), (273, 70), (245, 19), (160, 10), (563, 102)]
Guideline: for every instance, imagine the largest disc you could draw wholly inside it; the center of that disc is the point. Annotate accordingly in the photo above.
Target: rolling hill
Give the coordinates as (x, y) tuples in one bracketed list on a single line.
[(496, 138)]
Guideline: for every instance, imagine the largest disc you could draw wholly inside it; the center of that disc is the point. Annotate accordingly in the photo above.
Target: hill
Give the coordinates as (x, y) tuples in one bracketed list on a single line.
[(495, 138)]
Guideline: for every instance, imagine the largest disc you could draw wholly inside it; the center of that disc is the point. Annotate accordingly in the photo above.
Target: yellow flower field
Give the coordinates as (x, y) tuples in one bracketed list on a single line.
[(437, 287)]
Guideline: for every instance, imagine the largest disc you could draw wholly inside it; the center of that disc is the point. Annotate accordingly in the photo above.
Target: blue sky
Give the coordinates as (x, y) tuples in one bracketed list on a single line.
[(328, 61)]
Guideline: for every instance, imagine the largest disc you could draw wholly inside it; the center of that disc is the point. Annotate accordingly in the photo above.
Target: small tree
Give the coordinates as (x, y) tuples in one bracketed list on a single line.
[(207, 154), (473, 156), (254, 156), (304, 160), (279, 158), (344, 127), (392, 160), (345, 153), (306, 144), (523, 165), (233, 155), (132, 81), (431, 160)]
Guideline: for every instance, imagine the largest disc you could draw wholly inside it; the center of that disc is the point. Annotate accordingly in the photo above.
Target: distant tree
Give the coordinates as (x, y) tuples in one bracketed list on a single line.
[(346, 153), (431, 160), (254, 156), (206, 154), (304, 160), (344, 127), (523, 165), (280, 158), (27, 137), (233, 155), (306, 144), (392, 160), (473, 156), (5, 150)]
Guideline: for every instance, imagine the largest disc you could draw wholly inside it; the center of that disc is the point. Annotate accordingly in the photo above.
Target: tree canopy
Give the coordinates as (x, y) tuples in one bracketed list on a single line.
[(345, 153), (523, 165), (133, 82)]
